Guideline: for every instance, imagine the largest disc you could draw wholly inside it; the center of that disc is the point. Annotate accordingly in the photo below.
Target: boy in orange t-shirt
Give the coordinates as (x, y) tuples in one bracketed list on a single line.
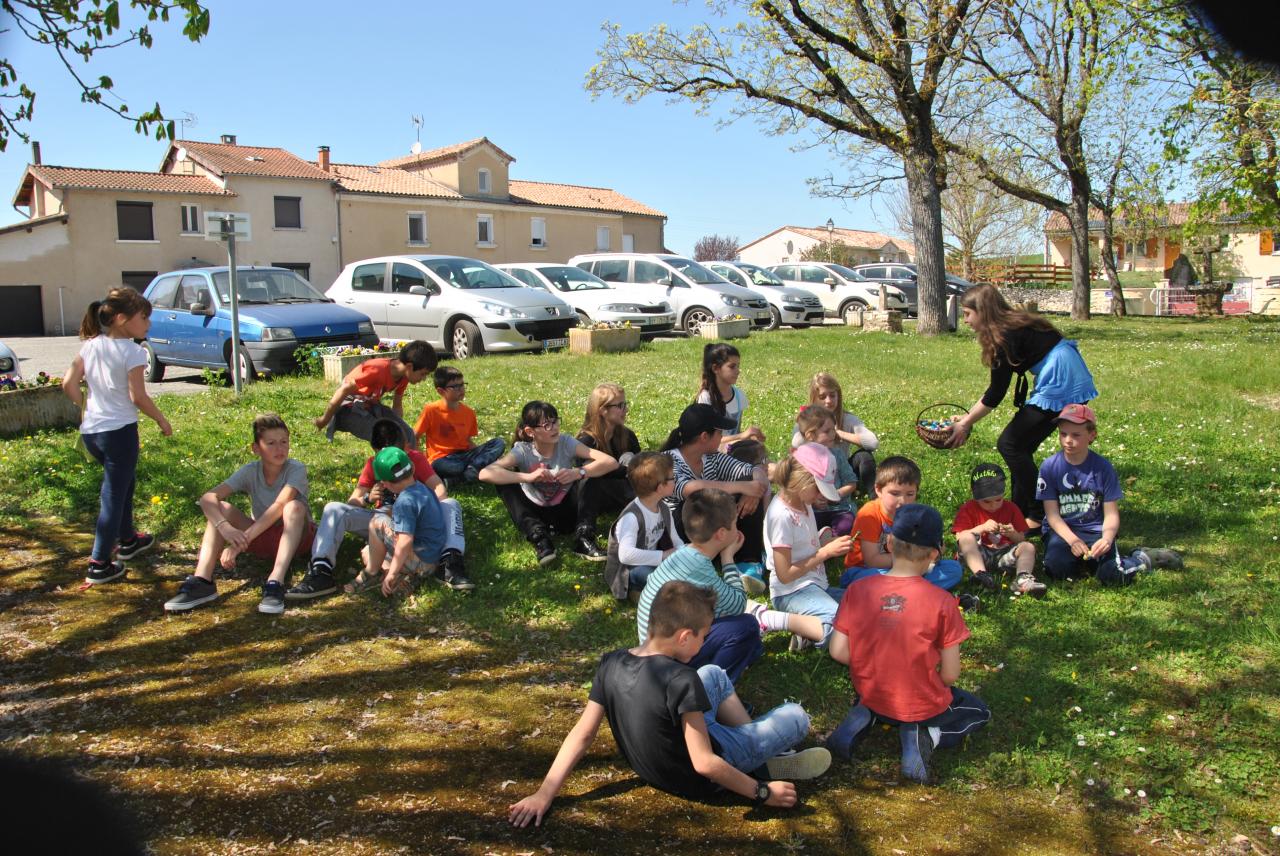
[(447, 426), (897, 484), (357, 402)]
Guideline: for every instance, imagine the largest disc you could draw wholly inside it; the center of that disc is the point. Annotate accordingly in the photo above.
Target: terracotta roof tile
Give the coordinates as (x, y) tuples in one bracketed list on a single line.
[(1175, 215), (849, 237), (226, 159), (443, 153), (121, 179), (577, 196), (357, 178)]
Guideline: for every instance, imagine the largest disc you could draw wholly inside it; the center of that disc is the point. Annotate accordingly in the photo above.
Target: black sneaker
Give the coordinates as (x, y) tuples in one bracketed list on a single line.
[(452, 574), (318, 582), (140, 544), (985, 580), (193, 592), (272, 602), (969, 602), (585, 546), (103, 572), (545, 550)]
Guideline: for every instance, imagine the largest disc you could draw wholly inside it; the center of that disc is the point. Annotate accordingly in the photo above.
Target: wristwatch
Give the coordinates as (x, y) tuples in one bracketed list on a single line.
[(762, 791), (582, 472)]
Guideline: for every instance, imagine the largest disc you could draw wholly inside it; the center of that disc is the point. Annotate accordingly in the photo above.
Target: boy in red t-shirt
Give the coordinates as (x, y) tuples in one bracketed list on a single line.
[(447, 425), (357, 402), (900, 637), (991, 532)]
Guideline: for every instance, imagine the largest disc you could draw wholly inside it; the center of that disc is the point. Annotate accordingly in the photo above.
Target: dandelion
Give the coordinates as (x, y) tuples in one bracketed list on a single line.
[(155, 500), (608, 611)]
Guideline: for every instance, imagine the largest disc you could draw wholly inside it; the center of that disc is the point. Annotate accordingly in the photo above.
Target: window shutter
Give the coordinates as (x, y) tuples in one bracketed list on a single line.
[(1266, 242)]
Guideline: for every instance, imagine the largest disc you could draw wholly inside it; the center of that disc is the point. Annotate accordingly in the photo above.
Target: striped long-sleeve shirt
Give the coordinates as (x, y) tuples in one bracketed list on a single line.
[(691, 566)]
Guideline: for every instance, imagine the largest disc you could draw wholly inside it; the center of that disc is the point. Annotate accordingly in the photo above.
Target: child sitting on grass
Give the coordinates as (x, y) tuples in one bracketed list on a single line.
[(991, 533), (900, 637), (1081, 496), (854, 439), (683, 731), (816, 424), (447, 426), (644, 533), (413, 533), (279, 529)]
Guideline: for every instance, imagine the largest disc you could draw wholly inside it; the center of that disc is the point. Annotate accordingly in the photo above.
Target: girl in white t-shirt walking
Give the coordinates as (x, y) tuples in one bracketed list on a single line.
[(112, 365)]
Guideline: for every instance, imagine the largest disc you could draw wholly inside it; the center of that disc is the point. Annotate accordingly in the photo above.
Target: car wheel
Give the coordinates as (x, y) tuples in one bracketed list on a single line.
[(155, 368), (799, 326), (584, 320), (466, 340), (775, 318), (248, 373), (851, 308), (695, 318)]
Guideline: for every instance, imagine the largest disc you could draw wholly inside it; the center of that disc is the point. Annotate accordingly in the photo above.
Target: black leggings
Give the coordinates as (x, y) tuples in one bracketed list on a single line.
[(1018, 443)]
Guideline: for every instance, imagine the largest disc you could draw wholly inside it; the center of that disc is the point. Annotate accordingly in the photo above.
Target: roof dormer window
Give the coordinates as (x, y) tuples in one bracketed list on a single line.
[(484, 181)]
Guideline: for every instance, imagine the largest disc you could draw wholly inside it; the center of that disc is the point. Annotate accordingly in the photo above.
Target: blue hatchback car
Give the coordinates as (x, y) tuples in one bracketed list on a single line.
[(279, 311)]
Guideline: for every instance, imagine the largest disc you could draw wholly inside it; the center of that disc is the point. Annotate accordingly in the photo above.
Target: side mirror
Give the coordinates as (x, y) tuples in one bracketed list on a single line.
[(200, 309), (829, 281), (423, 290), (665, 280)]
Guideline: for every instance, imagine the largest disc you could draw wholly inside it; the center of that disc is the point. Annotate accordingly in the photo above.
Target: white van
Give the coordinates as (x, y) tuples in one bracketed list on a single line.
[(696, 294)]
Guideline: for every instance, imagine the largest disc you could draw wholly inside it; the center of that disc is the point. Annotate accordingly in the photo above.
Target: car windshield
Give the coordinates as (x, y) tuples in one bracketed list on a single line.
[(760, 276), (566, 278), (266, 286), (694, 271), (851, 275), (471, 273)]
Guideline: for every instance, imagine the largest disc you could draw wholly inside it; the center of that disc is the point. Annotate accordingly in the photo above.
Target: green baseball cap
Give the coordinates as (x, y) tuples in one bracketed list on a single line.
[(392, 464)]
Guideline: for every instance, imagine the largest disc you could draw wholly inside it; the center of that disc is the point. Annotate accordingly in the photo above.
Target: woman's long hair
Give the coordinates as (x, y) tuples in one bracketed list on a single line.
[(608, 439), (714, 355), (995, 319), (101, 313)]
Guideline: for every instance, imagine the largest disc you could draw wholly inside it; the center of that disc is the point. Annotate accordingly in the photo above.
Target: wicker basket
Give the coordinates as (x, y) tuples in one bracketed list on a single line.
[(937, 432)]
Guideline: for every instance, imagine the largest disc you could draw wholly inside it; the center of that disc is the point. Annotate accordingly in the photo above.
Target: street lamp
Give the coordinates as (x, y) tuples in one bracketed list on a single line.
[(831, 228)]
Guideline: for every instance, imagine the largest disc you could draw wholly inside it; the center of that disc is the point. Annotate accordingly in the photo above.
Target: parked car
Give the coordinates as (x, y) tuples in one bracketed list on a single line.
[(593, 298), (457, 304), (8, 363), (841, 290), (279, 311), (697, 294), (794, 307), (902, 276)]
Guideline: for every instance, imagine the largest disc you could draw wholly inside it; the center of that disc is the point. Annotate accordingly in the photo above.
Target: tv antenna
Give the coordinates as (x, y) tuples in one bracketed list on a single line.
[(417, 123), (188, 118)]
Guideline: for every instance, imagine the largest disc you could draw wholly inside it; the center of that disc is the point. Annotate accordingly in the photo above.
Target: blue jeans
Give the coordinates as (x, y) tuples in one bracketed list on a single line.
[(454, 465), (638, 575), (1061, 564), (946, 574), (117, 451), (747, 747), (733, 644), (339, 518), (818, 601)]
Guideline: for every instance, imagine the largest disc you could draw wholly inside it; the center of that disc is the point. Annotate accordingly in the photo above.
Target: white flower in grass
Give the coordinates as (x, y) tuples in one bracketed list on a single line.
[(1089, 782), (1142, 794)]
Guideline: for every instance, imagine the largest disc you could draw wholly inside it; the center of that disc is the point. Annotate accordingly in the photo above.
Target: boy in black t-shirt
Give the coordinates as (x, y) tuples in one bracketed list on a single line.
[(682, 731)]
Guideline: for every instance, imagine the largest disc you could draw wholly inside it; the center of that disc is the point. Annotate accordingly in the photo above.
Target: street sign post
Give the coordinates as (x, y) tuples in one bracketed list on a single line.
[(227, 226)]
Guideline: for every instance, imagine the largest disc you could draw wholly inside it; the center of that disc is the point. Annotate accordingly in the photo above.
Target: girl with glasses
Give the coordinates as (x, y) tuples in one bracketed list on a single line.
[(605, 428)]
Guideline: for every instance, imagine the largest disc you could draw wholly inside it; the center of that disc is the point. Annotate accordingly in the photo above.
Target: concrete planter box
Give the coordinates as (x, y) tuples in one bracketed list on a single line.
[(1266, 300), (336, 367), (609, 341), (25, 410), (725, 329)]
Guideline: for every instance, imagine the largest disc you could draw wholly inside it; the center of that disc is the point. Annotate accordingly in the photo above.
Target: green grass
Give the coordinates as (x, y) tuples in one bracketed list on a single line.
[(360, 726)]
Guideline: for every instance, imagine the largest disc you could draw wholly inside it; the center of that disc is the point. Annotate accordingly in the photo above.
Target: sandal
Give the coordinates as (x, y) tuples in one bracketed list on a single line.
[(363, 580)]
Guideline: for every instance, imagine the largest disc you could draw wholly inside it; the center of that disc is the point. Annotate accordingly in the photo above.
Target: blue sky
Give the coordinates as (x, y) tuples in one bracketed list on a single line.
[(300, 75)]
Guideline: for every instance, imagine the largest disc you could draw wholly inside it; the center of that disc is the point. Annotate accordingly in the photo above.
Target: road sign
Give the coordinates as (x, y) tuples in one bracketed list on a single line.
[(220, 225)]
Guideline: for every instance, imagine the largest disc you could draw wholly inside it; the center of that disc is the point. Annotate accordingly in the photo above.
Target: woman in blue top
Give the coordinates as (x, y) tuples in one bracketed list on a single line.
[(1017, 342)]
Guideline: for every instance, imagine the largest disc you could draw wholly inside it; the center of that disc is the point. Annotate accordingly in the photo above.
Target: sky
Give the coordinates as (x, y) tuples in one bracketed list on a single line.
[(301, 75)]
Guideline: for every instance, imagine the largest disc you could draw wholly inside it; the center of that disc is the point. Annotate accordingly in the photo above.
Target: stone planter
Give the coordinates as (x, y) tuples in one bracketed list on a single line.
[(24, 410), (725, 329), (336, 367), (607, 341), (855, 318), (884, 322)]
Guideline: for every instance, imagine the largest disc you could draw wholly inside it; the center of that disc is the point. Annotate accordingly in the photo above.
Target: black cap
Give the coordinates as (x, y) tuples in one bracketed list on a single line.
[(918, 524), (701, 419), (986, 481)]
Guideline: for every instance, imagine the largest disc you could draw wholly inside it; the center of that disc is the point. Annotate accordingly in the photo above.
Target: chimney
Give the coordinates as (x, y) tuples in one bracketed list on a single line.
[(229, 139), (322, 158), (35, 152)]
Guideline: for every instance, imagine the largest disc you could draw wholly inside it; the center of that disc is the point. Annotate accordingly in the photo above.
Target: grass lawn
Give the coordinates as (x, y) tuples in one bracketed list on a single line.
[(1143, 720)]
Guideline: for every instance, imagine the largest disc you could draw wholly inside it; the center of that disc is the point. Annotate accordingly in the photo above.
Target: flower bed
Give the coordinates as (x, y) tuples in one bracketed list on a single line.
[(603, 339), (725, 328), (31, 405), (339, 360)]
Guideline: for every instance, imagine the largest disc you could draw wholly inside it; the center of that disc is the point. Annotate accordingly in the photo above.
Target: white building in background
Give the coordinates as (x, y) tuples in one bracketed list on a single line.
[(789, 242)]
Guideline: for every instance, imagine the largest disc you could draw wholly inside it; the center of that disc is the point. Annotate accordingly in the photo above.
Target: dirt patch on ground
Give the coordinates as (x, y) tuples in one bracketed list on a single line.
[(1271, 402)]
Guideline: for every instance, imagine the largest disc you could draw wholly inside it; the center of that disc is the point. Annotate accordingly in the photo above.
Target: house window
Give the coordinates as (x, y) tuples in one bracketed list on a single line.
[(484, 181), (302, 269), (133, 221), (191, 224), (417, 227), (484, 230), (628, 242), (537, 232), (602, 238), (138, 280), (288, 212)]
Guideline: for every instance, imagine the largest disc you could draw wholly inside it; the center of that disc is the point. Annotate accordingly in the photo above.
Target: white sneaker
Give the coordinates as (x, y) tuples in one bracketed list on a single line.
[(797, 766)]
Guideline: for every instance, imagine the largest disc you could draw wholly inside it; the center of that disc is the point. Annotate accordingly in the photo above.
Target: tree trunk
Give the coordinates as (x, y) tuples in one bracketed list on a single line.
[(1108, 256), (921, 169), (1078, 217)]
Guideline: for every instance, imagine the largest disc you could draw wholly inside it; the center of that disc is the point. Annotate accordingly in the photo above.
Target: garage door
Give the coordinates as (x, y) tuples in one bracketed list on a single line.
[(23, 314)]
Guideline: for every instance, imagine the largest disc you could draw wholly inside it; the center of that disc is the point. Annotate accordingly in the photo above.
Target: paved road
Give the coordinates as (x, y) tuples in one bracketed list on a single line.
[(53, 354)]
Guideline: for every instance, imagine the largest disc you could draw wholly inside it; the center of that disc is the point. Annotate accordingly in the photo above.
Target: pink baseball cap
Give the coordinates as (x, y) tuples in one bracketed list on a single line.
[(1078, 413), (817, 460)]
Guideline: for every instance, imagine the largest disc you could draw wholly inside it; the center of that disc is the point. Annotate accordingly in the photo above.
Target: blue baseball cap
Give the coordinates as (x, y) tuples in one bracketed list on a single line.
[(918, 524)]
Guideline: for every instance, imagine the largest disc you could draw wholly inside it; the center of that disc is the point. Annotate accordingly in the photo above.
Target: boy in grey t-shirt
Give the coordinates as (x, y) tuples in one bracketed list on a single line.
[(280, 528)]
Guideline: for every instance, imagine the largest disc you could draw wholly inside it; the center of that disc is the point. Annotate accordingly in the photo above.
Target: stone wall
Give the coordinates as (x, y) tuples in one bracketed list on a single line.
[(1058, 300)]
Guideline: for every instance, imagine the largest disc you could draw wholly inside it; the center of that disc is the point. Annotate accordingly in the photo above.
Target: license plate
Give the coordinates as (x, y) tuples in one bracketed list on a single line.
[(548, 344)]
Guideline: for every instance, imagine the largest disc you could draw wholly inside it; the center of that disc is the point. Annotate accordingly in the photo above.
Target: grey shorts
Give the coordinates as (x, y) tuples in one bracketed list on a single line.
[(998, 560)]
